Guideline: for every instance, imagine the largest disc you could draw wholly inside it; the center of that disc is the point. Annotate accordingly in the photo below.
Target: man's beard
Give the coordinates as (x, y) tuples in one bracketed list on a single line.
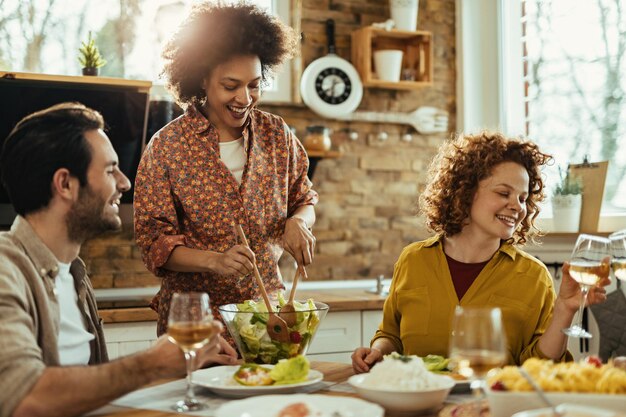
[(86, 217)]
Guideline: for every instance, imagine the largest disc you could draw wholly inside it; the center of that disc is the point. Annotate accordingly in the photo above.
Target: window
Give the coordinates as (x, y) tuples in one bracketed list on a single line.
[(553, 70), (44, 36), (575, 85)]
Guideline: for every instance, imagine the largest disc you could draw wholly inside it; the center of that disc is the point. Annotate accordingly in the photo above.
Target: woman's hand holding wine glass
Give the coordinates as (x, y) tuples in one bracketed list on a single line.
[(589, 267)]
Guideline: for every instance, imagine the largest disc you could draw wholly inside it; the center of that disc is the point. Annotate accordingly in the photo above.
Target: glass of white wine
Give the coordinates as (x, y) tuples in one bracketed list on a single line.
[(190, 326), (618, 254), (477, 344), (586, 268)]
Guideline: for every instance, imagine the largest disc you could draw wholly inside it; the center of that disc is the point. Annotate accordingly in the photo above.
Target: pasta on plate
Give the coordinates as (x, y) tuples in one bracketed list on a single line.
[(562, 377)]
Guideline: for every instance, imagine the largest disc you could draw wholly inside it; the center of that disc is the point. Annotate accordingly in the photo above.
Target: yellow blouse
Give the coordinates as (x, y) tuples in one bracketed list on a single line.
[(419, 310)]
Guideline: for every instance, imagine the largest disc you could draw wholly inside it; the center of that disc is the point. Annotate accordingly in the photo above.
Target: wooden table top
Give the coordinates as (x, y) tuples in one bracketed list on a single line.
[(333, 372)]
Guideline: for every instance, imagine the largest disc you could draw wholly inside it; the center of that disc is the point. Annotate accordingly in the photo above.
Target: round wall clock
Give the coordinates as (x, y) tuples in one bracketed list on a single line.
[(330, 85)]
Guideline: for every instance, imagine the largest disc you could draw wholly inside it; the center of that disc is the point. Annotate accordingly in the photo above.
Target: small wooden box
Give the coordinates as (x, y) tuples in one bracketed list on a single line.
[(418, 55)]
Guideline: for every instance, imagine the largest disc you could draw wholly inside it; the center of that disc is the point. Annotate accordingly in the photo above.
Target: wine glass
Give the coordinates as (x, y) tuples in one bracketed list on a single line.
[(477, 344), (586, 268), (618, 254), (190, 326)]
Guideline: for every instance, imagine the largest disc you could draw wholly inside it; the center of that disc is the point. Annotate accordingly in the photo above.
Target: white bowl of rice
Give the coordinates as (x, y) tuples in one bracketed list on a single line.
[(403, 384)]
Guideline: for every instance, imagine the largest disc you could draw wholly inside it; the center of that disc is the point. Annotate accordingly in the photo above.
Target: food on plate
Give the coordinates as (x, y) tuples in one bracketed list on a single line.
[(300, 409), (582, 376), (441, 365), (436, 363), (251, 374), (402, 373), (285, 372), (256, 344)]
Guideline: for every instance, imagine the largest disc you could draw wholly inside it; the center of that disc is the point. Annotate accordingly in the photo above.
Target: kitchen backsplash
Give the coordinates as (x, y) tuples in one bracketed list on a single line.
[(368, 195)]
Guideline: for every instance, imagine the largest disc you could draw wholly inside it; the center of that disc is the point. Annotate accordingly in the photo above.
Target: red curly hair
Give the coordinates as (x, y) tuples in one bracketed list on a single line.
[(214, 33), (462, 163)]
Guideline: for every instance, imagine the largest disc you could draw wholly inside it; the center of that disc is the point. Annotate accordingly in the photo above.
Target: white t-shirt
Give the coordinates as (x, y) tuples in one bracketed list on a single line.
[(74, 338), (234, 157)]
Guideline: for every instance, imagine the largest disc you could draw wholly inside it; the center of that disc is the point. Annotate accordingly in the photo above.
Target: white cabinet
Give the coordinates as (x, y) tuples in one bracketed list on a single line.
[(338, 335), (123, 339), (370, 319)]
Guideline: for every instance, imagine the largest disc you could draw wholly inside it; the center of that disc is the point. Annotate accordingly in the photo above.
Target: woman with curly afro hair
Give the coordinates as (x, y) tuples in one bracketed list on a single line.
[(223, 163), (481, 203)]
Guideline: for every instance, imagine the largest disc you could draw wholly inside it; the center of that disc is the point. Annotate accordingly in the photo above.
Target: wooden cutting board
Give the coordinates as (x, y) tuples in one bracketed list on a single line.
[(593, 176)]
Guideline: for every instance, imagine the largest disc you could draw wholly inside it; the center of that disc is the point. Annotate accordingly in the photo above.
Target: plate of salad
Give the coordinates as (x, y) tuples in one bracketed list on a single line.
[(250, 379)]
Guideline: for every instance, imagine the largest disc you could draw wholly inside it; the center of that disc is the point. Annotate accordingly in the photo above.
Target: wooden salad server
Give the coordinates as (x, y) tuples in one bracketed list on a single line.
[(276, 327), (288, 311)]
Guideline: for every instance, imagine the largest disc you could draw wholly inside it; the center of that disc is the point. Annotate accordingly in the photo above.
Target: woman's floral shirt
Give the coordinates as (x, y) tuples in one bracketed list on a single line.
[(185, 195)]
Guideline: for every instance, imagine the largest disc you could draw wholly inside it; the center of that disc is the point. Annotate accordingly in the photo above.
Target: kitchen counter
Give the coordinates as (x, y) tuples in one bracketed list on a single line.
[(338, 299)]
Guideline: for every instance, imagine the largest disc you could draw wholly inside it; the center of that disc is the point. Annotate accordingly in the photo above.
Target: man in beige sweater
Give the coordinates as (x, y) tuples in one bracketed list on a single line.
[(62, 176)]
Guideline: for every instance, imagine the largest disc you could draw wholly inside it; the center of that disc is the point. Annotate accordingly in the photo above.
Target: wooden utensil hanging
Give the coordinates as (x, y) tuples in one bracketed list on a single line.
[(276, 327)]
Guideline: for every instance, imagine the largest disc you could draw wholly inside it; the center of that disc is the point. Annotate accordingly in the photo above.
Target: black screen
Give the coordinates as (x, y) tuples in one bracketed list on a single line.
[(124, 111)]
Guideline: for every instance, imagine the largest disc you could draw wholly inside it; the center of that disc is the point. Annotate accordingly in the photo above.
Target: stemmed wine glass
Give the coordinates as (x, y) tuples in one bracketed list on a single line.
[(586, 268), (190, 326), (618, 254), (477, 344)]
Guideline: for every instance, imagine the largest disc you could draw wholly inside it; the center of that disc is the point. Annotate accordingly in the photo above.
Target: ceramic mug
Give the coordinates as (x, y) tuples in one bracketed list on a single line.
[(388, 64)]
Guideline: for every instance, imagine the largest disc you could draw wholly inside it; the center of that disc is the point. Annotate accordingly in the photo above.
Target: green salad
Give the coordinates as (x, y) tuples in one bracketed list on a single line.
[(256, 344)]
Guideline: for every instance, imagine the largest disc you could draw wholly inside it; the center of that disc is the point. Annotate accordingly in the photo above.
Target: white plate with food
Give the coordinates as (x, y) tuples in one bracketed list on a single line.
[(302, 404), (220, 380), (587, 382), (568, 410)]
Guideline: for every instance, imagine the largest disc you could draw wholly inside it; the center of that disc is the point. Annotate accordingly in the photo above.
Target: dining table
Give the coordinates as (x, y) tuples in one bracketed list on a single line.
[(335, 373)]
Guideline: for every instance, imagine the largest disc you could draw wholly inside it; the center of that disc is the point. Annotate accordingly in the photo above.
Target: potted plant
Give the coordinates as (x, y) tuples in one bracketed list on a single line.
[(89, 57), (567, 203)]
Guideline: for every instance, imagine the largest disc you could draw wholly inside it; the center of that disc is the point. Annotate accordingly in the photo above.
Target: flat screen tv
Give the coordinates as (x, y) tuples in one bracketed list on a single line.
[(123, 105)]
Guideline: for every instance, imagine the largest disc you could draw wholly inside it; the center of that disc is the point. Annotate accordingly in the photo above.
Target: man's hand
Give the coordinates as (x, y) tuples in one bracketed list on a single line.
[(299, 241), (238, 260), (226, 355), (570, 292), (170, 360)]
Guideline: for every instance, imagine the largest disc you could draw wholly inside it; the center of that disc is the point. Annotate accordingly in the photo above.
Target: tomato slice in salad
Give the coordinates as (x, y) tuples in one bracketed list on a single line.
[(251, 374)]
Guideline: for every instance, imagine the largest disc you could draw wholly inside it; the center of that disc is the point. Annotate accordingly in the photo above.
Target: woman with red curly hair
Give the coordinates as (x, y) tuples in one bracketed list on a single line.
[(222, 163), (481, 203)]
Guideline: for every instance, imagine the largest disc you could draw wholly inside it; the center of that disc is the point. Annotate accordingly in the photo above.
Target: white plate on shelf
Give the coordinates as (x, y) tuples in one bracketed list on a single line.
[(220, 380), (271, 405)]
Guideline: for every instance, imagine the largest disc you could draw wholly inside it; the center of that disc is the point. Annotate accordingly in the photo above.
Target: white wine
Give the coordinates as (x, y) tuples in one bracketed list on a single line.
[(477, 362), (587, 272), (190, 335), (619, 269)]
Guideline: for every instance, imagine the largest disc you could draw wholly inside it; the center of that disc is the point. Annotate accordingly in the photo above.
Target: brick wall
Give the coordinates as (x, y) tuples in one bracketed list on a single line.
[(368, 195)]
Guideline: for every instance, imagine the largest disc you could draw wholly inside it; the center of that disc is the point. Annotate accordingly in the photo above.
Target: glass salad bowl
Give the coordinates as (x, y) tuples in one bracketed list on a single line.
[(247, 324)]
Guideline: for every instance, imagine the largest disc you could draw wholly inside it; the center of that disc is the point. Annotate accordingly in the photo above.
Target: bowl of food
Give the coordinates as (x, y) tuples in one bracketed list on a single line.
[(587, 382), (247, 324), (403, 384)]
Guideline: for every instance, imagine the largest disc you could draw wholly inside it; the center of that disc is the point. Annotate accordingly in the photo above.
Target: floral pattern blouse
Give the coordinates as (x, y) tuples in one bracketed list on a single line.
[(185, 195)]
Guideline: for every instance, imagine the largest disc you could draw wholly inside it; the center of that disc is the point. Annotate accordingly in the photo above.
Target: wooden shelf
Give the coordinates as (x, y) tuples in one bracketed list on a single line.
[(141, 86), (315, 156), (418, 55), (575, 234), (323, 154)]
